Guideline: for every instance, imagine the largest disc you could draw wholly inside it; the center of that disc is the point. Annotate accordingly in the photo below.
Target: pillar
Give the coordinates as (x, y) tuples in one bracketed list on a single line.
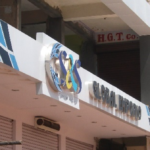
[(88, 57), (17, 135), (10, 12), (145, 68), (55, 29)]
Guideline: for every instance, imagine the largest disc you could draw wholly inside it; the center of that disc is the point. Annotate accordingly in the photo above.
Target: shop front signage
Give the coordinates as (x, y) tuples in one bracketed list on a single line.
[(62, 72), (119, 36), (6, 50), (118, 102)]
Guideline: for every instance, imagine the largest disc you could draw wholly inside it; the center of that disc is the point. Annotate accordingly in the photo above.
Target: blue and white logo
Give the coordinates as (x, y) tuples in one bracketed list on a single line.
[(6, 51), (62, 70)]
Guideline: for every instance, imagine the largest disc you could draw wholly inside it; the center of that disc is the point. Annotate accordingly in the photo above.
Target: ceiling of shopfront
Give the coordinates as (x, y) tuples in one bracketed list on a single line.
[(92, 14), (19, 91), (103, 15)]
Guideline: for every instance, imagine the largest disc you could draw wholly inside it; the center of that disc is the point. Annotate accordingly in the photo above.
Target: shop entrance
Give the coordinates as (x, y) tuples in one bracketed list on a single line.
[(6, 132), (133, 143)]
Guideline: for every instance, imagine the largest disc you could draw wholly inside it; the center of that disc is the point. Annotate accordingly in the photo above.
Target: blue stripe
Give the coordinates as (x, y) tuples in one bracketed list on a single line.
[(6, 34), (5, 57), (2, 41), (61, 62), (1, 59), (77, 65), (14, 62), (147, 110)]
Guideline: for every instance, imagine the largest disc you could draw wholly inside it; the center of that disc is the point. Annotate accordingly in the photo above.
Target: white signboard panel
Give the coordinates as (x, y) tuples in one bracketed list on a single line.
[(28, 56), (71, 85), (118, 36)]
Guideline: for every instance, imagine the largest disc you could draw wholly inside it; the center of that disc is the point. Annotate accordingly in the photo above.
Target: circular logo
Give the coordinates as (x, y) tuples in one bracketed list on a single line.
[(62, 70)]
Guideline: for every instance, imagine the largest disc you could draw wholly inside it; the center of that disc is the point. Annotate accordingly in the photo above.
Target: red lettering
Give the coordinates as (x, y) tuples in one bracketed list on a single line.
[(119, 36), (128, 37), (133, 36), (110, 37), (101, 38)]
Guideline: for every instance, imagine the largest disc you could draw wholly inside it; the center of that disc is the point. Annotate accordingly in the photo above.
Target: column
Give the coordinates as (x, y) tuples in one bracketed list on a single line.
[(145, 68), (17, 134), (55, 29), (10, 12), (88, 57)]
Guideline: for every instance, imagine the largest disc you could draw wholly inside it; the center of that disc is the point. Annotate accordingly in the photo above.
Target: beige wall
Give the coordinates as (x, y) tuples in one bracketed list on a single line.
[(23, 116)]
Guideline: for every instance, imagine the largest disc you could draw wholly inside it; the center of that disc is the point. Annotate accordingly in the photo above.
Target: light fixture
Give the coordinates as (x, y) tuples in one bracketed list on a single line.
[(104, 126), (53, 105), (94, 122), (78, 116), (67, 111), (15, 90)]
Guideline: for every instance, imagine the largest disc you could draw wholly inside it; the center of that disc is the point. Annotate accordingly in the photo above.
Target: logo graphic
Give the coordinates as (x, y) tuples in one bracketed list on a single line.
[(62, 70), (6, 51), (148, 110)]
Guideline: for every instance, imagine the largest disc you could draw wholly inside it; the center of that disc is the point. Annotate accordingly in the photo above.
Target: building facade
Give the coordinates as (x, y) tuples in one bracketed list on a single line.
[(55, 99)]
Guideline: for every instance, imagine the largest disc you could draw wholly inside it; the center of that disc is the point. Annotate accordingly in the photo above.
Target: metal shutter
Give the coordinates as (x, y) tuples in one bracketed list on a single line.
[(6, 132), (38, 139), (76, 145)]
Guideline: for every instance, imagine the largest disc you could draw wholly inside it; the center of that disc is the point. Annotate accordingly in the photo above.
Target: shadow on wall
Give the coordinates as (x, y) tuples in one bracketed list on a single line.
[(124, 143), (105, 144)]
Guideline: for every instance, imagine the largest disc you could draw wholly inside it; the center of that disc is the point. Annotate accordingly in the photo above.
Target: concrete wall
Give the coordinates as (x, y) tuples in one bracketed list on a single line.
[(88, 57), (145, 68)]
